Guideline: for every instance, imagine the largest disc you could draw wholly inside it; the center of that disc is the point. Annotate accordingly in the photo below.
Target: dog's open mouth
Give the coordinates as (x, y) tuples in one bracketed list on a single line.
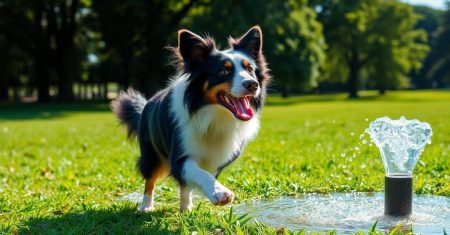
[(239, 106)]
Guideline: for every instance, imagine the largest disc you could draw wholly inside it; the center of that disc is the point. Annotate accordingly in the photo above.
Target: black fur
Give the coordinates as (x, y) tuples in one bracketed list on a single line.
[(128, 107), (152, 121)]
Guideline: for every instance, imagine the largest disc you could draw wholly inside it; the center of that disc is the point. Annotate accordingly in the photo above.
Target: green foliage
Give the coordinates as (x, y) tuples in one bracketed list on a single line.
[(374, 37), (379, 42), (64, 167), (293, 41), (430, 21), (398, 48), (440, 70)]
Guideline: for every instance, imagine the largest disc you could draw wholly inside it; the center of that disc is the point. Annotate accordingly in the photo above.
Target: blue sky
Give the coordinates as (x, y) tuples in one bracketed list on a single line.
[(438, 4)]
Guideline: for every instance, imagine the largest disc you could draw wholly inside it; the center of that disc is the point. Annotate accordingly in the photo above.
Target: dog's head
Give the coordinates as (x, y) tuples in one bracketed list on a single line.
[(234, 78)]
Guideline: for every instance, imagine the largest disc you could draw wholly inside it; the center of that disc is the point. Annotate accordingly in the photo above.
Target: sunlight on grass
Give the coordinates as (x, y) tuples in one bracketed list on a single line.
[(64, 171)]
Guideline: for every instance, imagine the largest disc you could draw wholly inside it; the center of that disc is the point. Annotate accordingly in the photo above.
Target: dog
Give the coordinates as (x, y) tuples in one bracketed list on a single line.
[(203, 119)]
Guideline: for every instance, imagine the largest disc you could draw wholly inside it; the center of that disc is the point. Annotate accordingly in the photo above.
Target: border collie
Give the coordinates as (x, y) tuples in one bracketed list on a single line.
[(202, 120)]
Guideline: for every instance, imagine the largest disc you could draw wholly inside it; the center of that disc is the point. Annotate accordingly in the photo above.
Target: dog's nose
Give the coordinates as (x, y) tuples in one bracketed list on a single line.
[(251, 85)]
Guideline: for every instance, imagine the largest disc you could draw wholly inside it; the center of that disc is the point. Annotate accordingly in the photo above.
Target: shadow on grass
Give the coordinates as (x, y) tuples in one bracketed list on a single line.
[(24, 111), (109, 221)]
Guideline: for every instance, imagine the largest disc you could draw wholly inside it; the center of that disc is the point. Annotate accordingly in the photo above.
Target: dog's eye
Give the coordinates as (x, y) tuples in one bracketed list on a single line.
[(224, 72), (250, 69)]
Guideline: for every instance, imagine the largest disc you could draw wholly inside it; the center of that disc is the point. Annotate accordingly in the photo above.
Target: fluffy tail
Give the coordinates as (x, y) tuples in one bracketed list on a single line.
[(128, 107)]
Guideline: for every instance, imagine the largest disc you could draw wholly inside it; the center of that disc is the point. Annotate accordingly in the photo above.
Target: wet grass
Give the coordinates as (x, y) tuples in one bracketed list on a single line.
[(63, 167)]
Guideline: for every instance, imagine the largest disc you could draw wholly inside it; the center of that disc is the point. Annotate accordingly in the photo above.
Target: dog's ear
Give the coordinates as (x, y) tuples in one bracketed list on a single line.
[(250, 42), (193, 48)]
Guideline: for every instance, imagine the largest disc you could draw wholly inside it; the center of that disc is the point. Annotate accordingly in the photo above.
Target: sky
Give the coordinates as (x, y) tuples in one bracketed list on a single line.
[(438, 4)]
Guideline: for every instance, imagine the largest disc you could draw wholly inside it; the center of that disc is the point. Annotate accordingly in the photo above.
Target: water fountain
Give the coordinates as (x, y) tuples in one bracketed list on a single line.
[(400, 142)]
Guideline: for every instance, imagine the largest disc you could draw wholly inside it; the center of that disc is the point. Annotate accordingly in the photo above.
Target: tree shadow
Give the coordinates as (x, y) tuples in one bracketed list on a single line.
[(123, 220), (24, 111)]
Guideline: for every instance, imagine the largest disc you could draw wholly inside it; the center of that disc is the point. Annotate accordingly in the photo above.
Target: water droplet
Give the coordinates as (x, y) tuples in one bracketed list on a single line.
[(364, 141), (361, 136), (342, 154), (356, 148), (367, 119), (370, 145), (352, 134)]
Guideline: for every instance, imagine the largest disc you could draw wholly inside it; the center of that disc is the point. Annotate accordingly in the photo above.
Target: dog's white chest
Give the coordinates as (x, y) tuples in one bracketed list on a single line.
[(214, 136)]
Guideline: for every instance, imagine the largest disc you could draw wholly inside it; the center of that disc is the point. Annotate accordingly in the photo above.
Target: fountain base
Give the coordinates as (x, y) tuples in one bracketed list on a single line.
[(348, 213), (398, 195)]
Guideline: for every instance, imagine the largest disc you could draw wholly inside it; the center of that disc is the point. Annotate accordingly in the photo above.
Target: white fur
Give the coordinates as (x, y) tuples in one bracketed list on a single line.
[(209, 138), (147, 203), (185, 198), (213, 134), (241, 75), (213, 189)]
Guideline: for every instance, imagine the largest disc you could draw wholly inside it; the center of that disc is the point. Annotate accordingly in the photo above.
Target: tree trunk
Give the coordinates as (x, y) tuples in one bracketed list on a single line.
[(4, 92), (382, 91), (126, 72), (41, 74), (105, 91), (65, 76), (284, 91), (64, 32), (354, 68), (16, 93)]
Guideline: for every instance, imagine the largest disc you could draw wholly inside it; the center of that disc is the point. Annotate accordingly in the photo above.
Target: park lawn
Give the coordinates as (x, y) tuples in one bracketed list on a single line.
[(64, 167)]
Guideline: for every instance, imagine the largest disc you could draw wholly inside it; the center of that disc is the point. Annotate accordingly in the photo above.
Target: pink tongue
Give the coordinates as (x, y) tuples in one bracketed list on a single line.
[(242, 108)]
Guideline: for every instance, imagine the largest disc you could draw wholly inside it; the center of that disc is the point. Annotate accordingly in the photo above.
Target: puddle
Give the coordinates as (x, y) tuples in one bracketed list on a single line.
[(348, 213), (132, 197)]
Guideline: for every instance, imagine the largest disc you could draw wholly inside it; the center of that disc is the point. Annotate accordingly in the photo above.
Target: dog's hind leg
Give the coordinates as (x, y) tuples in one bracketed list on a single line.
[(149, 193), (160, 171), (152, 167)]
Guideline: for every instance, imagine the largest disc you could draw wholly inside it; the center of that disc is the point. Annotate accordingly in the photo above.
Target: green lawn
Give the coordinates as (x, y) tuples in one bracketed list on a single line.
[(62, 167)]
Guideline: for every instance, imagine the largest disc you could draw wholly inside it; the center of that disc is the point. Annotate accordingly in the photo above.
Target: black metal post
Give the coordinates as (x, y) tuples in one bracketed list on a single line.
[(398, 195)]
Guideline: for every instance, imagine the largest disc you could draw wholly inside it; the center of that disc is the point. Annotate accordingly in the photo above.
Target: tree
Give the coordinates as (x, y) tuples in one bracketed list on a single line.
[(398, 48), (45, 30), (135, 33), (440, 71), (429, 21), (362, 36), (292, 37)]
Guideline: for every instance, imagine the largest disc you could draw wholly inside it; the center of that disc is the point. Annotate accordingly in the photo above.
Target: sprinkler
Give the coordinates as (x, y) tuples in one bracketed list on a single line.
[(400, 143)]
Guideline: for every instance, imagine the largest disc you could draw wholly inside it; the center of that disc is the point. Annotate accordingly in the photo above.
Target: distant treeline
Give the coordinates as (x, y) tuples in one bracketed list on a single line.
[(68, 50)]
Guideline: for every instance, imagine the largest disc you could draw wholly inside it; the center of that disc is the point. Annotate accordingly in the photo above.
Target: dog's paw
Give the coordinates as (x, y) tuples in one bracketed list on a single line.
[(186, 208), (146, 208), (221, 195)]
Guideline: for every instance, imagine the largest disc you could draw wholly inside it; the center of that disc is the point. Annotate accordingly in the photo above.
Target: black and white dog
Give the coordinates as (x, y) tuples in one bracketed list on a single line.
[(203, 119)]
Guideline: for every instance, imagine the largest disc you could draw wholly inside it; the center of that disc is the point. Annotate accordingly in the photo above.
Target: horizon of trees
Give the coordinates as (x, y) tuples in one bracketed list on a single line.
[(68, 50)]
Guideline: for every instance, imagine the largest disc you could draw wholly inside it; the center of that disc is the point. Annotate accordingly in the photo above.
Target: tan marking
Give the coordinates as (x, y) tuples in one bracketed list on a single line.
[(205, 86), (211, 93), (160, 172), (228, 65), (245, 63)]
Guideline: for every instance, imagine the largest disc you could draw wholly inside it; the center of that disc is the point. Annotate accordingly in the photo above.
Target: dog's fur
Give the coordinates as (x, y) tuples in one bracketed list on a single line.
[(202, 120)]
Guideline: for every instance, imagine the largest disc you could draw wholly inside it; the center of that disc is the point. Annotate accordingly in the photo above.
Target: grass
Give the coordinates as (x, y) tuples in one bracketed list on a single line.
[(64, 166)]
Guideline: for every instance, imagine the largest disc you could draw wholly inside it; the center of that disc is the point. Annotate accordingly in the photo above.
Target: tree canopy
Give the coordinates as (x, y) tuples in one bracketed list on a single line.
[(376, 37), (64, 49)]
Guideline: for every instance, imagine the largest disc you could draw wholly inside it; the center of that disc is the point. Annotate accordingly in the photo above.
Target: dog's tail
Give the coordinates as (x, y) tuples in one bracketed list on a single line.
[(128, 107)]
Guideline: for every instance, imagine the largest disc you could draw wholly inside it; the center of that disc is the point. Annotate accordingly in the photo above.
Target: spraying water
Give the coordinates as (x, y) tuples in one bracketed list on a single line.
[(400, 142)]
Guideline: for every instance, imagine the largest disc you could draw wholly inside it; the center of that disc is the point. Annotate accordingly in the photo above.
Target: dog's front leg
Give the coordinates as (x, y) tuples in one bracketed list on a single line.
[(185, 198), (215, 191)]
